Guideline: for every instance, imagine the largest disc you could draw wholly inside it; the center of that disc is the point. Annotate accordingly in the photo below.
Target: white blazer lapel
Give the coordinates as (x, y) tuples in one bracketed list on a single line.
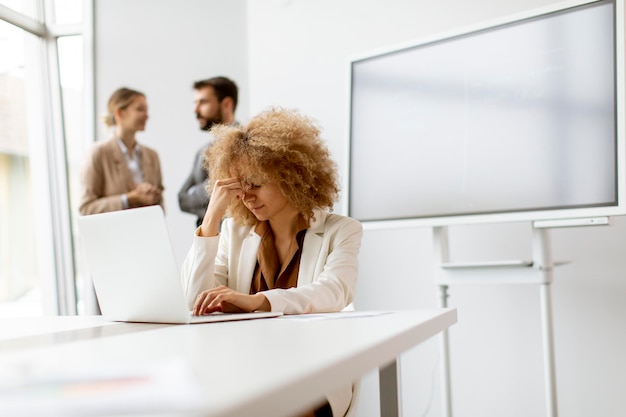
[(313, 240)]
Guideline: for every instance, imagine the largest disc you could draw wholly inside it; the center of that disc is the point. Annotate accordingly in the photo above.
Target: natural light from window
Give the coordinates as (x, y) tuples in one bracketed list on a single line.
[(19, 280), (29, 143)]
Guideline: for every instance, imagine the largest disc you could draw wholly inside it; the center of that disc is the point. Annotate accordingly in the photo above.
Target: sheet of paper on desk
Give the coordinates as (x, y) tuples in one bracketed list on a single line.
[(332, 316), (164, 388)]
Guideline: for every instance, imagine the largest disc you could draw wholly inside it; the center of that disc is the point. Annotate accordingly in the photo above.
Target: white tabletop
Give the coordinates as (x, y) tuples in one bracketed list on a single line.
[(268, 367)]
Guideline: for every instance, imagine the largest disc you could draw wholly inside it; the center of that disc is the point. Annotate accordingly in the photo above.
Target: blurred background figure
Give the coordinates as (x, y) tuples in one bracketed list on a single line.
[(120, 173), (215, 101)]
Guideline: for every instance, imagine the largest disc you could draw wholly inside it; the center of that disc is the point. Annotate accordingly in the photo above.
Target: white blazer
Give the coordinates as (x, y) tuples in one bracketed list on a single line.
[(328, 265), (326, 279)]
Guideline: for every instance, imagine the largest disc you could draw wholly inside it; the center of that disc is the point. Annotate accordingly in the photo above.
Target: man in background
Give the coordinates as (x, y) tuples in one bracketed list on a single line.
[(215, 101)]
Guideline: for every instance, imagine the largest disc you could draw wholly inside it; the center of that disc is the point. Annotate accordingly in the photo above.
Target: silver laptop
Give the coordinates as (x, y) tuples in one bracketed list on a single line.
[(134, 272)]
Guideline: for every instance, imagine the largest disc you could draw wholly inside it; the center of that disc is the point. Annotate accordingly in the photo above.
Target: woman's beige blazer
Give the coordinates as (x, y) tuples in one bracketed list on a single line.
[(106, 177)]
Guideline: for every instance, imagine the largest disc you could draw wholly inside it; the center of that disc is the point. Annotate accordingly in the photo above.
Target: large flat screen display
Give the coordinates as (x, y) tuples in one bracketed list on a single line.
[(520, 120)]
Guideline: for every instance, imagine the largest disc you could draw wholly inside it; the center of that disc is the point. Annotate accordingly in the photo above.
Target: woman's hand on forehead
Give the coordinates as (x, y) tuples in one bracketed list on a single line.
[(229, 188), (224, 192)]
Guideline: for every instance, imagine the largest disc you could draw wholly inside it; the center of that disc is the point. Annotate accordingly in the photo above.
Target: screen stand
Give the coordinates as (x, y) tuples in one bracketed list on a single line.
[(538, 271)]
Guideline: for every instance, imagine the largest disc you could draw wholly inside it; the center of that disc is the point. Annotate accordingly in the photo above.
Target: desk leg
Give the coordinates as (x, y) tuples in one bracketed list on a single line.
[(388, 378)]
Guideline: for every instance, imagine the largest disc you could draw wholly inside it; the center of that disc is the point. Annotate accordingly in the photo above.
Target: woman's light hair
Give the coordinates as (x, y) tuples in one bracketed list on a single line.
[(281, 147), (120, 99)]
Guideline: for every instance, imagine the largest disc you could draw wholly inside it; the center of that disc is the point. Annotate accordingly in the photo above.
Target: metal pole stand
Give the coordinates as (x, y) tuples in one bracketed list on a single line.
[(539, 271)]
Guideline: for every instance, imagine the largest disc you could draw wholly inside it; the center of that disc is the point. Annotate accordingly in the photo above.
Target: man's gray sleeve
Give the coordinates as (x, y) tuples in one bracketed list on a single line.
[(193, 197)]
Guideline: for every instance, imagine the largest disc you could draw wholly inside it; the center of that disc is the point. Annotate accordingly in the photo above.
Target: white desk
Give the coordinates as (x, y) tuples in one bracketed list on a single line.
[(269, 367)]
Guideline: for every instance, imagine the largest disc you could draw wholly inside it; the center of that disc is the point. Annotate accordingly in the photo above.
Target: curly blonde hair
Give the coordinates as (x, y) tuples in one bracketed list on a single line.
[(277, 146)]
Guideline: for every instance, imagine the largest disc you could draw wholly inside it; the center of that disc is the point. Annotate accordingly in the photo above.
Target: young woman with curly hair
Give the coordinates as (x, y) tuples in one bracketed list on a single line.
[(279, 248)]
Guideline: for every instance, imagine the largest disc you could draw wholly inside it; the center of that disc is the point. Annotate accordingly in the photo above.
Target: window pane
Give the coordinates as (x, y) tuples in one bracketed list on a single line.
[(70, 49), (20, 175), (68, 11), (25, 7)]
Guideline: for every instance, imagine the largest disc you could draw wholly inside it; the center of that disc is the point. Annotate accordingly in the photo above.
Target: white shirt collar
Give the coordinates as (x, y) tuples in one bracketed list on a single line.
[(124, 148)]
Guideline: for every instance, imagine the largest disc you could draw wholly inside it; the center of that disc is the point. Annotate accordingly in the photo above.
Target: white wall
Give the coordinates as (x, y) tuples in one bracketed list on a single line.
[(294, 53)]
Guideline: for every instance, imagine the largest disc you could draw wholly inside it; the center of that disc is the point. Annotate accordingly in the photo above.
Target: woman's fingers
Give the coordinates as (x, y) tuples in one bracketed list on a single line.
[(208, 301), (231, 185), (223, 193), (211, 303), (221, 298)]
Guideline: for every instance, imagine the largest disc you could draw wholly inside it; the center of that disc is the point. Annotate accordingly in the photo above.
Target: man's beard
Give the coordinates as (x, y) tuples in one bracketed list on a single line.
[(207, 123)]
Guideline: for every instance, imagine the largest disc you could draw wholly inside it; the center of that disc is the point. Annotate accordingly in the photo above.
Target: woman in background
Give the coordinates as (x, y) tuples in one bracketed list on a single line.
[(120, 173), (281, 249)]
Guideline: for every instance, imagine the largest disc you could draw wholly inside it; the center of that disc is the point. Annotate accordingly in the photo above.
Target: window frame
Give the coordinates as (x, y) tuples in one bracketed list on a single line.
[(59, 293)]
